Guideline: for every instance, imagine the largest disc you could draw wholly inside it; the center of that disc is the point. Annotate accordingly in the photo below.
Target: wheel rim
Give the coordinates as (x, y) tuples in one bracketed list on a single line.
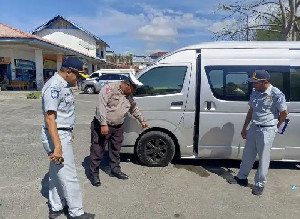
[(156, 149), (90, 90)]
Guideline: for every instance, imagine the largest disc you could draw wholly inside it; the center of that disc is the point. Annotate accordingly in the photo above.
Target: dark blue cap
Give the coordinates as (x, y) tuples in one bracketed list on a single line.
[(74, 64), (259, 75)]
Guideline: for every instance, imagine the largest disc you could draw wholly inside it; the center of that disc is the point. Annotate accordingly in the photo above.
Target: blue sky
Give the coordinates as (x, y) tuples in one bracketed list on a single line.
[(139, 27)]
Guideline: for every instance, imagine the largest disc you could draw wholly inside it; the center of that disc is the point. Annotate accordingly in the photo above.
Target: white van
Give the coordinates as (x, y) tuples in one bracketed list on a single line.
[(98, 73), (195, 101)]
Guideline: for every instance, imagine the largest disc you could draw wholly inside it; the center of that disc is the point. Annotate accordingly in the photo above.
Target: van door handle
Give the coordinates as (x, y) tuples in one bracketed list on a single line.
[(209, 105), (179, 103)]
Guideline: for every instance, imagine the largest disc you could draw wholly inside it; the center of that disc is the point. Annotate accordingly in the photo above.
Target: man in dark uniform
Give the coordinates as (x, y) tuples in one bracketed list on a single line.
[(268, 110), (115, 100), (57, 137)]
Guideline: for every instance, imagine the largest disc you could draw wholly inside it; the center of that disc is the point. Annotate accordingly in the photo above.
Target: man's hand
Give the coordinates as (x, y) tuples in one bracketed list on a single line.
[(56, 156), (104, 130), (244, 133), (144, 125), (73, 137)]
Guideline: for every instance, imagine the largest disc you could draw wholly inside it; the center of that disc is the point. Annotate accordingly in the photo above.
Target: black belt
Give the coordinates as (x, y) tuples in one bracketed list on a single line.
[(264, 126), (116, 126), (63, 129)]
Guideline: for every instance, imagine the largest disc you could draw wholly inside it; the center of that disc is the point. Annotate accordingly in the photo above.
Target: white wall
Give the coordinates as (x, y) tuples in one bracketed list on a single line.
[(72, 38)]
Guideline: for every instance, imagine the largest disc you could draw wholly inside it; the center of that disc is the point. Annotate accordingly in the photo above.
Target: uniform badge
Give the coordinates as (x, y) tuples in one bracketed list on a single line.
[(109, 90), (54, 94), (268, 97)]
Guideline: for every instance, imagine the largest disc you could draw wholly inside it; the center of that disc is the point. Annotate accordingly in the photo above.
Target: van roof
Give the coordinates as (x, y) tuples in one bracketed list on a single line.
[(115, 71), (245, 45)]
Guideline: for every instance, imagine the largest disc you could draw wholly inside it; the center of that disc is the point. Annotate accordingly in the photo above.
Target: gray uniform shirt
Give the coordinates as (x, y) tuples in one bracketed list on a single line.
[(113, 105), (57, 96), (267, 105)]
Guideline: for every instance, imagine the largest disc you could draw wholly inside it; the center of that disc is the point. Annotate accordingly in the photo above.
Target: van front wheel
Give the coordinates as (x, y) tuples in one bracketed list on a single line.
[(155, 149)]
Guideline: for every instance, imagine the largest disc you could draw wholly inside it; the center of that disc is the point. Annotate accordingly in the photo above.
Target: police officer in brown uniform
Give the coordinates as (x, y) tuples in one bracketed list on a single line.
[(115, 100)]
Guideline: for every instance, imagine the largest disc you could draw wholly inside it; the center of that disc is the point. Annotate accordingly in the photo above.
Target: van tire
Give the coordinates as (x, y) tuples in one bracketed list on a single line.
[(155, 149), (89, 90)]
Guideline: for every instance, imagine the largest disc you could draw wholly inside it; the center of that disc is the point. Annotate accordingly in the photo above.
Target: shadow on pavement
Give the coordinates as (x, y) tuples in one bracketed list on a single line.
[(45, 187), (222, 168), (104, 166)]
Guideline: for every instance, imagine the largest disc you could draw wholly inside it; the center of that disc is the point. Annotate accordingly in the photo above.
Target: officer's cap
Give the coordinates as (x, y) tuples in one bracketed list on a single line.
[(259, 75), (74, 64), (133, 80)]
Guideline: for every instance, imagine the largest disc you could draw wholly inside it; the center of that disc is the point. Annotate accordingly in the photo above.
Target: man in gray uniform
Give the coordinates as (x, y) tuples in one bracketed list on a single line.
[(267, 112), (57, 138), (115, 100)]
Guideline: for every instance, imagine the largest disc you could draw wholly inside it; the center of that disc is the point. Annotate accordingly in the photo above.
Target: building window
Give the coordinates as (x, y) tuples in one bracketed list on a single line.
[(162, 80)]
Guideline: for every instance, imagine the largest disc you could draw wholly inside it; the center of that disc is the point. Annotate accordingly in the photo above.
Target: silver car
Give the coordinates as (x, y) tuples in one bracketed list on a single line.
[(94, 85)]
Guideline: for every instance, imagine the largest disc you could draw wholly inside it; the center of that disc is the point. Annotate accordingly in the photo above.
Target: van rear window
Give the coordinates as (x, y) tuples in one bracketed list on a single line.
[(230, 82)]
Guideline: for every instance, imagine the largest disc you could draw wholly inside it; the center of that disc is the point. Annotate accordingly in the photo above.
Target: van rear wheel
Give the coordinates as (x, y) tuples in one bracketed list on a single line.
[(155, 149)]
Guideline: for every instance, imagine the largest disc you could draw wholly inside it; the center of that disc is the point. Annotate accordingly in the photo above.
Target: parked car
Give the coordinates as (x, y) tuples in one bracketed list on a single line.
[(93, 76), (94, 85), (98, 73)]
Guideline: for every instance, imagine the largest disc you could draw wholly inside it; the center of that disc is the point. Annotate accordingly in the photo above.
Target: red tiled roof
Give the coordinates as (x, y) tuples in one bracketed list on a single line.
[(158, 54), (10, 32)]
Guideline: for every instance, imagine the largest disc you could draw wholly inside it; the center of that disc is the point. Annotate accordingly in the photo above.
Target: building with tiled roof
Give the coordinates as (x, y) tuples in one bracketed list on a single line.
[(67, 33), (32, 59)]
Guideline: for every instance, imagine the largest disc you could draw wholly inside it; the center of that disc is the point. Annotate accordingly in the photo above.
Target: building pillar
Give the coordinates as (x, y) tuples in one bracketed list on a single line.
[(39, 68), (58, 62), (12, 66), (90, 67)]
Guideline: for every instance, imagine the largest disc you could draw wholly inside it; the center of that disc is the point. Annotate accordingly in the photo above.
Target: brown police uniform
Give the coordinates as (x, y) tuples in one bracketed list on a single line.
[(113, 105)]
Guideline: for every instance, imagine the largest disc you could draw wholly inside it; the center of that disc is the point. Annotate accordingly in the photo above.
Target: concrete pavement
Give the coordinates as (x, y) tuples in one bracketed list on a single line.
[(190, 189)]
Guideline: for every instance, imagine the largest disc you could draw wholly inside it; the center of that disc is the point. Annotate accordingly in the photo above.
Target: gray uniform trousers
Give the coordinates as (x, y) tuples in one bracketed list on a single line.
[(63, 182), (259, 141)]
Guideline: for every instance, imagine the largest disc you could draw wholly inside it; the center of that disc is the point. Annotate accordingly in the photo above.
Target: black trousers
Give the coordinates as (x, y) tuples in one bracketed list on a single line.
[(114, 140)]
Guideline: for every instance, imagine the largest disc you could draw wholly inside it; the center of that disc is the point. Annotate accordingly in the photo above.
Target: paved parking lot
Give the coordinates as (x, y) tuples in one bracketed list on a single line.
[(189, 189)]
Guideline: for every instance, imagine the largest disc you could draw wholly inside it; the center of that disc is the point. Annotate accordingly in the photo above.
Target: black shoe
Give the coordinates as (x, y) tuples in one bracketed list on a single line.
[(236, 180), (119, 175), (55, 214), (257, 190), (95, 180), (83, 216)]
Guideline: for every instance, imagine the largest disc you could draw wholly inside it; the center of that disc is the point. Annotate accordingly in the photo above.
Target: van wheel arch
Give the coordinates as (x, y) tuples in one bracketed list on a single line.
[(177, 153)]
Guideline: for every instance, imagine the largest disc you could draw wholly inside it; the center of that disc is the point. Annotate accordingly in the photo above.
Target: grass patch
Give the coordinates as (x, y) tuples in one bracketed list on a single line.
[(34, 95)]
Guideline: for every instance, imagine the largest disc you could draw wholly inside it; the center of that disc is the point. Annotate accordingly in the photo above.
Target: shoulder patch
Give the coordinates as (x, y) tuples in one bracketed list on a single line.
[(54, 93), (108, 90)]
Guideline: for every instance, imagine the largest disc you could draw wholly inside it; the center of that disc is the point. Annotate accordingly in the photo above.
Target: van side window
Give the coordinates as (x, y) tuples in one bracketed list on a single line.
[(162, 80), (230, 82), (295, 84)]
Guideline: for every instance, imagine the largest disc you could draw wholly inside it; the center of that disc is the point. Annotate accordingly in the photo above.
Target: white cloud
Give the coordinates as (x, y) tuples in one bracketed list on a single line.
[(165, 25), (160, 29), (110, 22)]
